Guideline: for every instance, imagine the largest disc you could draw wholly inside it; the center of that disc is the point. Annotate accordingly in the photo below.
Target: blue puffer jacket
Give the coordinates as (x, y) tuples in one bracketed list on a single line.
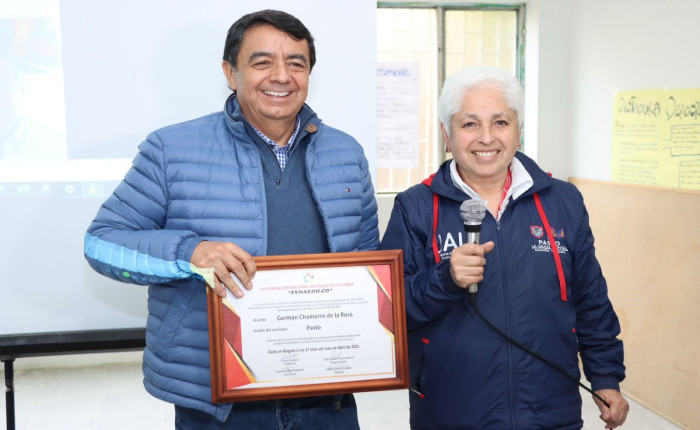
[(463, 374), (202, 180)]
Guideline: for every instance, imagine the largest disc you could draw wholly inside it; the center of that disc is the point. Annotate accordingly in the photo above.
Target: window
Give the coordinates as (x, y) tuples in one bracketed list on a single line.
[(436, 41)]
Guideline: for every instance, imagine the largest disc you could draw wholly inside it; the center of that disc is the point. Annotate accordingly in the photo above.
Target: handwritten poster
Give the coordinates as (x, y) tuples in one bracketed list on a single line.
[(398, 115), (656, 138)]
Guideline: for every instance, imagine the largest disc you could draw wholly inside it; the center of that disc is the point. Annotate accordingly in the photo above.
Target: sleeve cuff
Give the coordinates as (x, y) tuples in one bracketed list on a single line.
[(604, 383), (446, 280), (185, 251)]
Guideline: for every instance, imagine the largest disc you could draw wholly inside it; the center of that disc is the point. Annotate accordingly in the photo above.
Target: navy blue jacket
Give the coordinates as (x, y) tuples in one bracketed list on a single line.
[(463, 374)]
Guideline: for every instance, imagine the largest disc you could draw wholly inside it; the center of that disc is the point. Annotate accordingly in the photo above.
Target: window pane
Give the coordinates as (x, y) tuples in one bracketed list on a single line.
[(472, 37), (410, 35), (486, 38)]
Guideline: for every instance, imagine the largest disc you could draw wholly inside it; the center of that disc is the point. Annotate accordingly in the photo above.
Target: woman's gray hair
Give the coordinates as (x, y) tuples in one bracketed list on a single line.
[(457, 85)]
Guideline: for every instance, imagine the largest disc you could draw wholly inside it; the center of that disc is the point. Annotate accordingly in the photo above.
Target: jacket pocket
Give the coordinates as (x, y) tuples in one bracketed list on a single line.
[(168, 305)]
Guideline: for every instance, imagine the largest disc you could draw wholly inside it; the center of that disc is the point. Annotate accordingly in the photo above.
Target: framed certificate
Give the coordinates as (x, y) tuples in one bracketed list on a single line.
[(313, 324)]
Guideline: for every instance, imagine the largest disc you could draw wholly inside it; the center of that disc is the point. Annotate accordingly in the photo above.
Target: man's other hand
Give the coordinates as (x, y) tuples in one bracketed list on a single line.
[(228, 262)]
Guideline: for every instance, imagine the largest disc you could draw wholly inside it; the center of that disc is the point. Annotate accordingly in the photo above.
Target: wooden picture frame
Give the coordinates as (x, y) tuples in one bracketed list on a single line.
[(313, 324)]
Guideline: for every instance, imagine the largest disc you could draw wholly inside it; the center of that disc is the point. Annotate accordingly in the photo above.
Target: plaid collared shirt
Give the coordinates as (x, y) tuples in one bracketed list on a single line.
[(281, 152)]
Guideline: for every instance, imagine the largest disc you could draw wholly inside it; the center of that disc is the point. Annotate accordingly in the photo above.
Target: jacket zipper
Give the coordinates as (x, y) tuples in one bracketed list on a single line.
[(509, 347)]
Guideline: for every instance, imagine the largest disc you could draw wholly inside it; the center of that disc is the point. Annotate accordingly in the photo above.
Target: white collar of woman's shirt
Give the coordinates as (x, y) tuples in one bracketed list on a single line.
[(522, 181)]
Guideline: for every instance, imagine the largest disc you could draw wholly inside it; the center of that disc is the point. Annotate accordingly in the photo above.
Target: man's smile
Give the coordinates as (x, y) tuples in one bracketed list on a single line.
[(277, 93)]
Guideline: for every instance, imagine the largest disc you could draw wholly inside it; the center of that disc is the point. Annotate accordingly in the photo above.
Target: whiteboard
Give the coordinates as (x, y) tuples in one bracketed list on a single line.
[(128, 68)]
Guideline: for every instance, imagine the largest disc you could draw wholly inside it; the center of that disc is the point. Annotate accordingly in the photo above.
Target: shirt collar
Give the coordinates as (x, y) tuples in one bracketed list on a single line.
[(272, 143), (522, 181)]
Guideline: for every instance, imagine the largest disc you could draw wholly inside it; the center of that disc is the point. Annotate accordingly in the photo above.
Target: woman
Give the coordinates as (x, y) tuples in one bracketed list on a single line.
[(465, 375)]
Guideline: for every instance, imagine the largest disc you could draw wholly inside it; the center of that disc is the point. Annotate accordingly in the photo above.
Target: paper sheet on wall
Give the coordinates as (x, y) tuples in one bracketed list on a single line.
[(656, 138), (398, 115)]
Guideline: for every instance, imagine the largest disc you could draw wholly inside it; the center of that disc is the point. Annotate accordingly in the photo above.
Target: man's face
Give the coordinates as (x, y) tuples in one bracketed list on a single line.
[(271, 79)]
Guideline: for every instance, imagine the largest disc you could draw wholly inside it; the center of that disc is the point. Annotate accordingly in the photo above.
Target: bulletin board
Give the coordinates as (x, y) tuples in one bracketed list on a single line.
[(648, 242)]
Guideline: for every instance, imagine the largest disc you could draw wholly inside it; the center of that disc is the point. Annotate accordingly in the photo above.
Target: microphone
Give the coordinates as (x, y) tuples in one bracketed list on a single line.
[(472, 213)]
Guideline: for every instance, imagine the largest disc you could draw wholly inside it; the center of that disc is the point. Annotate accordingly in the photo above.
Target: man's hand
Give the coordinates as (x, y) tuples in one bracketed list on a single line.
[(220, 262), (616, 415), (467, 263)]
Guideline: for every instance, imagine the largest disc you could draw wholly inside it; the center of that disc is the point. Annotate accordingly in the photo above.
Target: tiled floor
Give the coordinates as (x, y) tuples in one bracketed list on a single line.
[(105, 392)]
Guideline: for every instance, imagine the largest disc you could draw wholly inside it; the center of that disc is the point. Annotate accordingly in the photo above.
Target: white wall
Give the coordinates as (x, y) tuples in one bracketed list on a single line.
[(635, 45), (547, 73), (578, 53), (588, 50)]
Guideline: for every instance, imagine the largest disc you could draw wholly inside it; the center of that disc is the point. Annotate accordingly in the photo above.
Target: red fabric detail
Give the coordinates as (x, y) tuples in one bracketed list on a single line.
[(573, 330), (425, 340), (436, 251), (553, 247), (506, 187), (436, 200)]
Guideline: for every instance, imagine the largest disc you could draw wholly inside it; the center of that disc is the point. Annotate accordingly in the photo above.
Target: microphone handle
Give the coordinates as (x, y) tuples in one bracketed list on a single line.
[(473, 237), (473, 232)]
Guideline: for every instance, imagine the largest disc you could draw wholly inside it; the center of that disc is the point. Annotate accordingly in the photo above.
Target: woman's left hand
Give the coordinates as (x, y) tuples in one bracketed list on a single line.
[(616, 415)]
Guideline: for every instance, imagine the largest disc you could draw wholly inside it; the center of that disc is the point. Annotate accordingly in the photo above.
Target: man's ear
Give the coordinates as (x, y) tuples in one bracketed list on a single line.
[(230, 74), (445, 138)]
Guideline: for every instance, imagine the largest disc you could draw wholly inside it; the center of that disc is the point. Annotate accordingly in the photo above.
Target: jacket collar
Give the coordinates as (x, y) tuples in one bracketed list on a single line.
[(309, 120), (443, 185)]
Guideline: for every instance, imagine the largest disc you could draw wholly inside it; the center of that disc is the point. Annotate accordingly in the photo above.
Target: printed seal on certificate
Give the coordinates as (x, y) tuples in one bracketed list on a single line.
[(313, 324)]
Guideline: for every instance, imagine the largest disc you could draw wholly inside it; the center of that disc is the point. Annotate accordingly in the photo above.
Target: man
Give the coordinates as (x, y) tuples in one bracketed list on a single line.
[(263, 177)]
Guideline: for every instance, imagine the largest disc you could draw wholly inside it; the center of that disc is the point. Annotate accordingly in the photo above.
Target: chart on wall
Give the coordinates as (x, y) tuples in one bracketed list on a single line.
[(398, 115), (656, 138)]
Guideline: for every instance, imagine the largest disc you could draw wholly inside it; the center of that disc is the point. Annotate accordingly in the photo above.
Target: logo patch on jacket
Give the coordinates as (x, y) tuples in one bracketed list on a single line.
[(536, 231), (542, 244)]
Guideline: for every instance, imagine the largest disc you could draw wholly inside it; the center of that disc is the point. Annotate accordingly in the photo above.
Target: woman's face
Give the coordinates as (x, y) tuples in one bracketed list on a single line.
[(485, 136)]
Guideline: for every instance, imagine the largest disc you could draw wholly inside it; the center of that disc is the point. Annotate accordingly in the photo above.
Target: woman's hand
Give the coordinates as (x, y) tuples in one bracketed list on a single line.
[(467, 263), (616, 415)]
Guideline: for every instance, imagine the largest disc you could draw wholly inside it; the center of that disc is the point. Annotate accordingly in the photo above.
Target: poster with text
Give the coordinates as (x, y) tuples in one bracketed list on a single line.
[(656, 138), (398, 115)]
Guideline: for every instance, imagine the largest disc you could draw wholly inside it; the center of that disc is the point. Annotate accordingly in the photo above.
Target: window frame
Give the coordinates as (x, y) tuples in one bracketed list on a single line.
[(441, 8)]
